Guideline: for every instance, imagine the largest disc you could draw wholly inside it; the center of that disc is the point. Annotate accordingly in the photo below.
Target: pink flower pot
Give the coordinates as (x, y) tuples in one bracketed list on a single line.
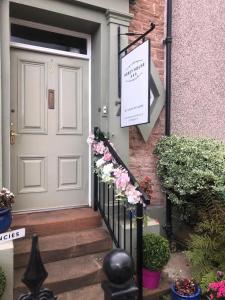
[(151, 279)]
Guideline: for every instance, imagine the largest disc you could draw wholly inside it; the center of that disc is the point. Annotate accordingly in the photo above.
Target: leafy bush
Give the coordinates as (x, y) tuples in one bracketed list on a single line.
[(191, 168), (156, 252), (2, 282), (206, 247)]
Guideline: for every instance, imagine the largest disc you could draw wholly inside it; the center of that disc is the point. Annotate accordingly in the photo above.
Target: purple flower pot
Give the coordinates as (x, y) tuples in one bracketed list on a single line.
[(5, 219), (176, 296), (151, 279)]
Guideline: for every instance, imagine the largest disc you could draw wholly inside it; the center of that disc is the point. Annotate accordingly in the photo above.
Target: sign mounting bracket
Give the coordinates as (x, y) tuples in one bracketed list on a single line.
[(142, 37)]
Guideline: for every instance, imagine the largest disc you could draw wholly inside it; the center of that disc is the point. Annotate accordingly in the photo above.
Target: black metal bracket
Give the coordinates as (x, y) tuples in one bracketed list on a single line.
[(119, 109), (142, 36), (168, 40)]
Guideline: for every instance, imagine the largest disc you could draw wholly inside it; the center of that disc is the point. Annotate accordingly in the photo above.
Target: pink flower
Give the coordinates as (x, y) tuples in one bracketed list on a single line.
[(217, 289), (107, 156), (90, 139), (118, 172), (122, 181), (133, 196), (99, 148)]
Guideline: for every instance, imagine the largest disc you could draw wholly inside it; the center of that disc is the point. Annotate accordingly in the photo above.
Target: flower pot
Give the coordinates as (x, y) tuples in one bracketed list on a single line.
[(176, 296), (5, 219), (151, 279)]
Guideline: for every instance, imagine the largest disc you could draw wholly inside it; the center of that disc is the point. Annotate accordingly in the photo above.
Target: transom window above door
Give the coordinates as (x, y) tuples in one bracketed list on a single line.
[(30, 34)]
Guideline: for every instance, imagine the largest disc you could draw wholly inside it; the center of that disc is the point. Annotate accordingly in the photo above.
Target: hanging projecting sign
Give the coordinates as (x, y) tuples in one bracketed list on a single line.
[(135, 86)]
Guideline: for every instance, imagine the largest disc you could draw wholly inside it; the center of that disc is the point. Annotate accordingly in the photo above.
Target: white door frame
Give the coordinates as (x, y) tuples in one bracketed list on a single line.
[(67, 54)]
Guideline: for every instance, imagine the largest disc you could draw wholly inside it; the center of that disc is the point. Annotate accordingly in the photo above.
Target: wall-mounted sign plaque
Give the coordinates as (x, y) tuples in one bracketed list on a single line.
[(135, 86)]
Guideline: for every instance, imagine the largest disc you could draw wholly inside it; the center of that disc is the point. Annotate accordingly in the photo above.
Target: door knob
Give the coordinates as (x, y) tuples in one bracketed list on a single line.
[(12, 137)]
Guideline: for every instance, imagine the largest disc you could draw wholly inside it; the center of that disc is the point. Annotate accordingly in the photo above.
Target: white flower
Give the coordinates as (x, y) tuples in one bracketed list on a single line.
[(100, 162), (107, 179), (133, 200), (107, 170)]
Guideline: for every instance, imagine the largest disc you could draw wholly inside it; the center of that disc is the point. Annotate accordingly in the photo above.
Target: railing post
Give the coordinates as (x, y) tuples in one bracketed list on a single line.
[(139, 249), (95, 192), (118, 266), (35, 276)]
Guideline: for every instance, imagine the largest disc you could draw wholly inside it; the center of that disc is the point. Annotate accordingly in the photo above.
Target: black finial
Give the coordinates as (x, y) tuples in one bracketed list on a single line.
[(119, 270), (35, 276)]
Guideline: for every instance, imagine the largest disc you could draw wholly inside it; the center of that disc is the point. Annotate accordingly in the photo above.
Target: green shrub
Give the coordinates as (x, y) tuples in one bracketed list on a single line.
[(156, 252), (2, 282), (191, 168), (207, 246)]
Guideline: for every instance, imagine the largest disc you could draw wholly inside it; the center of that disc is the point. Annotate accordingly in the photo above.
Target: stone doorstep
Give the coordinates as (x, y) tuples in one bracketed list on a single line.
[(52, 222), (64, 245), (67, 275), (95, 292), (92, 292)]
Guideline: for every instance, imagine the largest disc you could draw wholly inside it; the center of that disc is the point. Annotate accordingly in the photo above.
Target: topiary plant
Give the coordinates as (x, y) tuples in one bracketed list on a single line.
[(2, 282), (156, 251)]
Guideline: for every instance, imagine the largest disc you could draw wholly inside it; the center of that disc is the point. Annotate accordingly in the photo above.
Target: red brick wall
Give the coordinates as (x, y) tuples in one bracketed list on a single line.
[(142, 159)]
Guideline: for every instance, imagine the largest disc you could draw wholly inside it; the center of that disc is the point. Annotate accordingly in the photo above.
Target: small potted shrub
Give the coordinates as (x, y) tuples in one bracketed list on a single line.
[(156, 254), (185, 289), (2, 282), (6, 201)]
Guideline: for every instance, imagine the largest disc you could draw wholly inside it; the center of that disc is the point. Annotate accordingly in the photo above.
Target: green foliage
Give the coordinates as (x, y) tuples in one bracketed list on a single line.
[(206, 248), (191, 168), (156, 252), (2, 282)]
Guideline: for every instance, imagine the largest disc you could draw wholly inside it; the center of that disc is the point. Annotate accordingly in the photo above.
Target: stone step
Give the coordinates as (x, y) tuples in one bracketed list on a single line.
[(64, 245), (67, 275), (92, 292), (52, 222)]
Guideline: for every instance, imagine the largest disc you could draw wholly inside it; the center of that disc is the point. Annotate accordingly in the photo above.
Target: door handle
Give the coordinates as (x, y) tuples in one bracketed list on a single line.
[(13, 135), (51, 99)]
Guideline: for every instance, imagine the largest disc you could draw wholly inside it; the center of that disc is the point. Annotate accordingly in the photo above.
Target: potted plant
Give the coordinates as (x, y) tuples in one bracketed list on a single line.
[(2, 282), (185, 289), (6, 201), (156, 254)]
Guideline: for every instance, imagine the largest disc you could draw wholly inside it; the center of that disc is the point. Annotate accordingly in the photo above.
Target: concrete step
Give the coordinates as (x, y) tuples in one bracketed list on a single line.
[(67, 275), (64, 245), (52, 222)]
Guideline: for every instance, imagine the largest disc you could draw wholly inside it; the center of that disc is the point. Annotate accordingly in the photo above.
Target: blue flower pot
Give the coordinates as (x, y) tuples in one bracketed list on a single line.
[(5, 219), (176, 296)]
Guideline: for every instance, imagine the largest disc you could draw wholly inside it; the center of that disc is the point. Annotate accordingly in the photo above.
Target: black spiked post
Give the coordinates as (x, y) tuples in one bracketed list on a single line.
[(35, 276)]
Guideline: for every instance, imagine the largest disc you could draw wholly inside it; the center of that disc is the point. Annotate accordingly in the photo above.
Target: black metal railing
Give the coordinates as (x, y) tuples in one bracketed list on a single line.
[(124, 225)]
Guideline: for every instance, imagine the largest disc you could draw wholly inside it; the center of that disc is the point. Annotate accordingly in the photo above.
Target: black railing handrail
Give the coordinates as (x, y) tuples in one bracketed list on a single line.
[(100, 136)]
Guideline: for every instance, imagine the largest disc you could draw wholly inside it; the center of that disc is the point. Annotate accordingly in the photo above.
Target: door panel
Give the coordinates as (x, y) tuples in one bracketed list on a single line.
[(32, 107), (49, 160), (70, 100)]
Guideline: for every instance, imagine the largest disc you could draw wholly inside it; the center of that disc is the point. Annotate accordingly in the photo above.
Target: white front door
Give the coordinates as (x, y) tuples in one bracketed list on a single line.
[(49, 112)]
